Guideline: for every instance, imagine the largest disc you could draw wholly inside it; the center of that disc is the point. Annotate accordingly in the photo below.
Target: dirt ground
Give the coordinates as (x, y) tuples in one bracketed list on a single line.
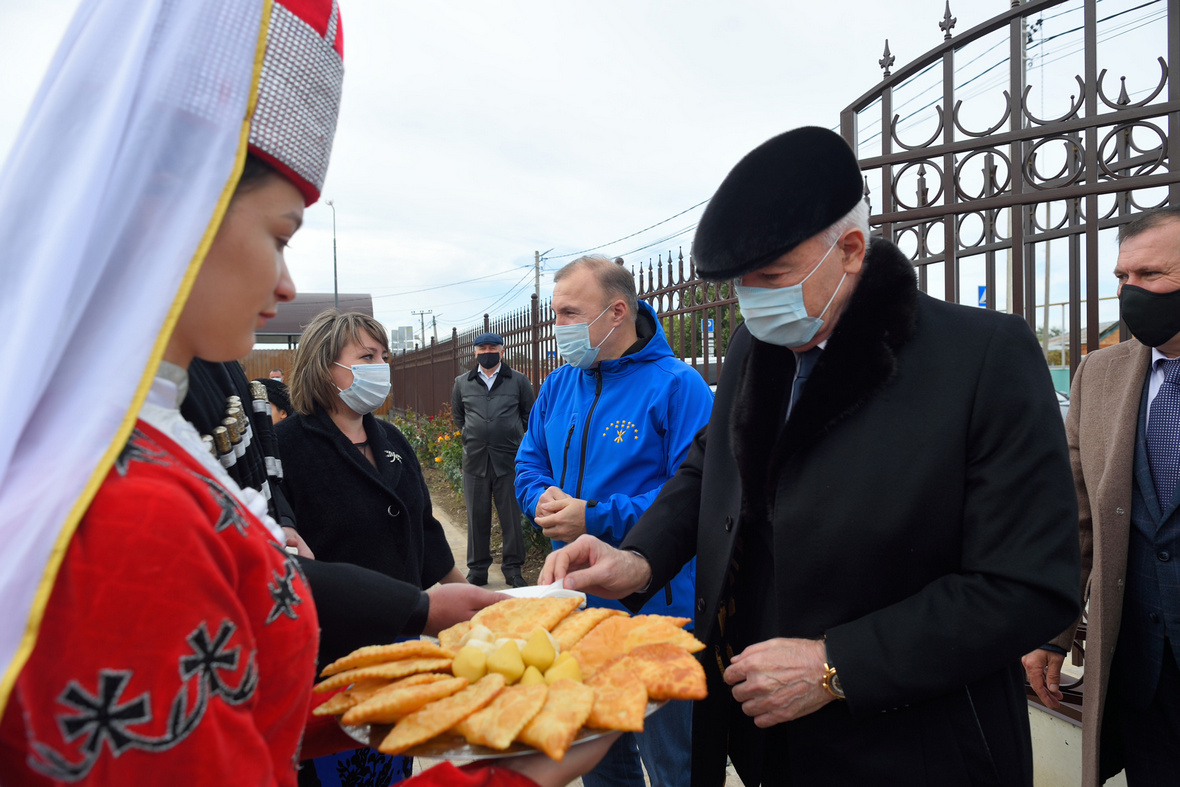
[(444, 497)]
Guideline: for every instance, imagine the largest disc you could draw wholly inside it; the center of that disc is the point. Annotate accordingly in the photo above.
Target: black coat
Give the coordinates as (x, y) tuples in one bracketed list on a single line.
[(350, 512), (493, 422), (917, 510)]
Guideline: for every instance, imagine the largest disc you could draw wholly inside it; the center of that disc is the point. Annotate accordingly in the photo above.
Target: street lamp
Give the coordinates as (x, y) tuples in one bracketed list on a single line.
[(335, 285)]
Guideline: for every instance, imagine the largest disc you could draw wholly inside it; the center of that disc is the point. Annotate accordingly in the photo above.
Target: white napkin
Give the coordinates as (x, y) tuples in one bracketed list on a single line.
[(546, 591)]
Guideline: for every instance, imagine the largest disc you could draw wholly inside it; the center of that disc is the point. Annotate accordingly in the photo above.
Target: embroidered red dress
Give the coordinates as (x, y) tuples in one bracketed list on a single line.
[(178, 643)]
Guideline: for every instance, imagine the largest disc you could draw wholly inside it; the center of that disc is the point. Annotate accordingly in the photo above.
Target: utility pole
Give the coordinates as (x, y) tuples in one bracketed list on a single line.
[(335, 285), (434, 324), (423, 315), (537, 255)]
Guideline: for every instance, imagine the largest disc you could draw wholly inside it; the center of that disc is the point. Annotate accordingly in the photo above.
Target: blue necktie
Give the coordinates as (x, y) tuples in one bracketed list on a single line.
[(806, 362), (1163, 434)]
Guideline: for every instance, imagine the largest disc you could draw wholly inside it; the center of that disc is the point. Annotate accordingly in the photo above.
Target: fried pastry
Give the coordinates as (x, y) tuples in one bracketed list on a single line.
[(380, 654), (667, 671), (620, 700), (497, 725), (450, 638), (566, 708), (617, 635), (517, 617), (392, 704), (578, 624), (440, 715), (391, 670)]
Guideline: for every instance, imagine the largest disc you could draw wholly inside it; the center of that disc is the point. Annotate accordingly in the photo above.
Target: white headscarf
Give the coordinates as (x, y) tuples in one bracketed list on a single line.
[(108, 202)]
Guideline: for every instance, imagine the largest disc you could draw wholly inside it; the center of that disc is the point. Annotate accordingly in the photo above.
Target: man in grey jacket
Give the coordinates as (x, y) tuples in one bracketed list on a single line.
[(490, 405)]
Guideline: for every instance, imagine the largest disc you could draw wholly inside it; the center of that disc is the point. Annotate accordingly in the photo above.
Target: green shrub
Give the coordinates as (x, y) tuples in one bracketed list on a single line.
[(436, 440), (534, 538)]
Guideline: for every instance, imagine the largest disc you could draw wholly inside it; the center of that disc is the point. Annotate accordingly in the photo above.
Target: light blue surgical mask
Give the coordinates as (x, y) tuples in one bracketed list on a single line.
[(370, 386), (778, 315), (573, 342)]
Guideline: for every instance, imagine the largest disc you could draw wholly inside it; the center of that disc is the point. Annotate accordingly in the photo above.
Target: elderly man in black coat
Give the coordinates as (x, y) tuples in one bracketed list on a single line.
[(881, 505)]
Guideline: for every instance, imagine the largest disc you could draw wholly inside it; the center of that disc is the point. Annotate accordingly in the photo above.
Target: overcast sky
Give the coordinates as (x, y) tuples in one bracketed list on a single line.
[(474, 133)]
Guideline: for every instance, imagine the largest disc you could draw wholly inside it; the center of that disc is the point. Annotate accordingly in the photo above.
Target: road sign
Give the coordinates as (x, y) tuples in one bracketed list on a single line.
[(983, 296)]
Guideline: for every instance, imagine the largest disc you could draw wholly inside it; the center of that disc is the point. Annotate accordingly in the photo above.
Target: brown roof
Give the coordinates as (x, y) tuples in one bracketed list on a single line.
[(292, 317)]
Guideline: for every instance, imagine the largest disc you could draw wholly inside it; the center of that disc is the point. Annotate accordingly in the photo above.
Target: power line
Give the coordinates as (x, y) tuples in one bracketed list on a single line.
[(452, 284), (625, 237)]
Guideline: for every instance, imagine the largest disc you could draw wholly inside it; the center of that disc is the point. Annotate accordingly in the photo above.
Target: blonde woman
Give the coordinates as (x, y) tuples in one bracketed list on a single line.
[(352, 479)]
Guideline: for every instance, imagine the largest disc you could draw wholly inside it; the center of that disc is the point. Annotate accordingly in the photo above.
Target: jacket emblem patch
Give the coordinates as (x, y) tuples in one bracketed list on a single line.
[(105, 720), (621, 431)]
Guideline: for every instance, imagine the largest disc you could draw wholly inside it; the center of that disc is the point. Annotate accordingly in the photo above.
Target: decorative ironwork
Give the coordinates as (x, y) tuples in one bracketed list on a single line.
[(886, 61), (948, 22), (993, 198)]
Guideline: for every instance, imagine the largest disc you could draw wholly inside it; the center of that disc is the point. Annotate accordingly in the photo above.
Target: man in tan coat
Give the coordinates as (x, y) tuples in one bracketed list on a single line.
[(1124, 440)]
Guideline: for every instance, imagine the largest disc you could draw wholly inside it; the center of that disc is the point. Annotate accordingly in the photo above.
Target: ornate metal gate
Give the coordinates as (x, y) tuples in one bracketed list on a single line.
[(982, 208)]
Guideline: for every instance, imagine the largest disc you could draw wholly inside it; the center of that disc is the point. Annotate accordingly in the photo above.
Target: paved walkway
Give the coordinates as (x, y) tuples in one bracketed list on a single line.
[(457, 538)]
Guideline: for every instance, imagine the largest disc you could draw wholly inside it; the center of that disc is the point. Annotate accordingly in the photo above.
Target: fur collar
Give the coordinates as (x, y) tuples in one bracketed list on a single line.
[(860, 358)]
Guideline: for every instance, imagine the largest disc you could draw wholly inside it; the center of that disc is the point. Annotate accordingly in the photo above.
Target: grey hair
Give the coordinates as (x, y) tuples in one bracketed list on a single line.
[(615, 280), (857, 218)]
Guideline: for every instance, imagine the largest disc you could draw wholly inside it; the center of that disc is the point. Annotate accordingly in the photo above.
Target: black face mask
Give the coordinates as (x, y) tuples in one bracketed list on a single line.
[(488, 360), (1153, 317)]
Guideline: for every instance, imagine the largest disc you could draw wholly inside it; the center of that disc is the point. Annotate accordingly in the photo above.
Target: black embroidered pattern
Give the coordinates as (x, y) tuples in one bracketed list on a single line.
[(103, 718), (365, 768), (140, 449), (231, 514), (283, 593)]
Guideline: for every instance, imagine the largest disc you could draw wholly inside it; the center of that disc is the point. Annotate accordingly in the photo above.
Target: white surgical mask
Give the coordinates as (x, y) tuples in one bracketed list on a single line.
[(778, 315), (370, 386), (573, 342)]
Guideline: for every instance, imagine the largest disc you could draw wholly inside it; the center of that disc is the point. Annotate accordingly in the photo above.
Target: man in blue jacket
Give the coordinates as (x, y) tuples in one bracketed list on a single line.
[(609, 428)]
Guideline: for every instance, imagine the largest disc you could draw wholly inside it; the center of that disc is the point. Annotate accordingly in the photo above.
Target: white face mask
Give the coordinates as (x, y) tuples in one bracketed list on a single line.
[(370, 386), (778, 315), (573, 342)]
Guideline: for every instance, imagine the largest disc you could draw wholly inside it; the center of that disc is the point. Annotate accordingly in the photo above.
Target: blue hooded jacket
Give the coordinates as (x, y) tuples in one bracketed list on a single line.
[(612, 436)]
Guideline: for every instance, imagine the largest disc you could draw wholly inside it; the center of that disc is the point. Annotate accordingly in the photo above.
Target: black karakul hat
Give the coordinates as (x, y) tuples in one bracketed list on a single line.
[(783, 192)]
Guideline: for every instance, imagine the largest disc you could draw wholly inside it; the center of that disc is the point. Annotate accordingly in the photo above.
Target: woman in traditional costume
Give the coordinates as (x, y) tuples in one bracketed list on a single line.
[(152, 627)]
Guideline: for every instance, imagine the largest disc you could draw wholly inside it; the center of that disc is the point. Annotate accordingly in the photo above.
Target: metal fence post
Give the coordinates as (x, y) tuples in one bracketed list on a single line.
[(536, 314)]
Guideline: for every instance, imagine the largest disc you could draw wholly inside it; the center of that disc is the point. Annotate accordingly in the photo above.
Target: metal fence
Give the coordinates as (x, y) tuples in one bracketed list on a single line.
[(978, 210), (697, 317)]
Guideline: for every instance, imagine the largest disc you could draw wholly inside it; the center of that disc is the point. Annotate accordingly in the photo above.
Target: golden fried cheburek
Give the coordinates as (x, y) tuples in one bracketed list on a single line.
[(620, 700), (450, 638), (517, 617), (578, 624), (390, 670), (380, 654), (566, 708), (390, 705), (497, 725), (617, 635), (362, 690), (440, 715), (668, 672)]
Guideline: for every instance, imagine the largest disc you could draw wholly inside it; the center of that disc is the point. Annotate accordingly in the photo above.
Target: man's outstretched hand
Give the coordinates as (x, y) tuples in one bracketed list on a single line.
[(591, 566)]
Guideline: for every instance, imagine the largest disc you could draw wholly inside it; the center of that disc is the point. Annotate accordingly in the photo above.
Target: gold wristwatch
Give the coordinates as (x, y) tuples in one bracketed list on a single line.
[(832, 682)]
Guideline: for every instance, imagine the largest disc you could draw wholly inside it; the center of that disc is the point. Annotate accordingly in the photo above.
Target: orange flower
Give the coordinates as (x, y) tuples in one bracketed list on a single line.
[(438, 458)]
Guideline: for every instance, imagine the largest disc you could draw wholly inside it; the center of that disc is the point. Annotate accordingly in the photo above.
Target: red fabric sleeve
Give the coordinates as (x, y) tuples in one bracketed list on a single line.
[(164, 655), (446, 774)]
